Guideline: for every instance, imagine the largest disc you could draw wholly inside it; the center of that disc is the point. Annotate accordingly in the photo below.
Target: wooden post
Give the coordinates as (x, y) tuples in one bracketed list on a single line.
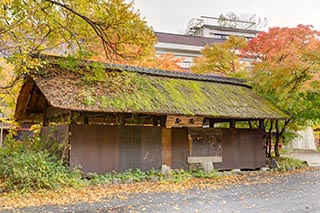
[(211, 123), (122, 120), (190, 145), (261, 124), (155, 120), (85, 119), (166, 134), (233, 124), (163, 120)]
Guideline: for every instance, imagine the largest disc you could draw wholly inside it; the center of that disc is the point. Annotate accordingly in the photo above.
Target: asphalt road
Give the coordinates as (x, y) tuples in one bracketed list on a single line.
[(290, 193)]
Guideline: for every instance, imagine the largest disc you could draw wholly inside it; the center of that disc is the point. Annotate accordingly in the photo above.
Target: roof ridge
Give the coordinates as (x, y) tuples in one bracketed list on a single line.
[(162, 73), (182, 75)]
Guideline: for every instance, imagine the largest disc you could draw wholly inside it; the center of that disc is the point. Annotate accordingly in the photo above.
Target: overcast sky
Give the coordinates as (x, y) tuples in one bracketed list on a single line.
[(173, 15)]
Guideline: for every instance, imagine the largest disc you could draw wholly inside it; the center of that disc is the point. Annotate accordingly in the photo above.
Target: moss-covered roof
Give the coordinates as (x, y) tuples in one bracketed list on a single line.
[(148, 91)]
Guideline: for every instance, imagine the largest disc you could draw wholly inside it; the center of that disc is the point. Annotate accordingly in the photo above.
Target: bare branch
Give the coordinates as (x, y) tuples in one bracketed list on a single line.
[(12, 83)]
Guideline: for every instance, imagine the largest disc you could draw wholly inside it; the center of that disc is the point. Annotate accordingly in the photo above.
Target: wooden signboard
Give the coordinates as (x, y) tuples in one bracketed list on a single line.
[(184, 121)]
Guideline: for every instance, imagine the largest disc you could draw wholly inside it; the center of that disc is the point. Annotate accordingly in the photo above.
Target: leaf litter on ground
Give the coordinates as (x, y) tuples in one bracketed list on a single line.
[(107, 192)]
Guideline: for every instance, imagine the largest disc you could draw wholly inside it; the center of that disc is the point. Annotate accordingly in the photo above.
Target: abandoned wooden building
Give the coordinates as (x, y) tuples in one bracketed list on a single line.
[(115, 117)]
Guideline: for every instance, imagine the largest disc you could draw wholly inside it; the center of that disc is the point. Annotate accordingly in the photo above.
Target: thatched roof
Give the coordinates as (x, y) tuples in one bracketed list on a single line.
[(146, 91)]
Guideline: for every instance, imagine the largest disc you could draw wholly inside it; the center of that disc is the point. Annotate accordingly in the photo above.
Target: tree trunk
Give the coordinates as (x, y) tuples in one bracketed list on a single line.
[(276, 146), (269, 139), (279, 136)]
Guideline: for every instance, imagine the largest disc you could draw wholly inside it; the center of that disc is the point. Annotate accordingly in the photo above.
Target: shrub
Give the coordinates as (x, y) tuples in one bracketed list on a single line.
[(95, 179), (24, 167), (287, 164), (136, 175), (200, 173)]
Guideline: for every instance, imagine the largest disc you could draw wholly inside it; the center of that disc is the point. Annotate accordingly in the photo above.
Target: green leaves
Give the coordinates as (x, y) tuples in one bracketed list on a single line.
[(32, 170), (221, 58)]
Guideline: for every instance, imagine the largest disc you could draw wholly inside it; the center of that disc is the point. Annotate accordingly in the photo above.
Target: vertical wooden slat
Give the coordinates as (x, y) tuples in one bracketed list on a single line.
[(109, 147), (83, 151), (258, 141), (245, 151), (230, 159), (180, 146), (190, 144), (151, 144), (95, 148), (166, 146), (130, 147), (115, 135)]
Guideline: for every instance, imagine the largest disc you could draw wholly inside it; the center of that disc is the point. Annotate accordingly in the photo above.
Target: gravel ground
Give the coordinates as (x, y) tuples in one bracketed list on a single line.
[(290, 193)]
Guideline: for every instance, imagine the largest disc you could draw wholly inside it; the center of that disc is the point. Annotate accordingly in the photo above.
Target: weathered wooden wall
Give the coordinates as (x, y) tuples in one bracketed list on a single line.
[(101, 149), (239, 148), (206, 142)]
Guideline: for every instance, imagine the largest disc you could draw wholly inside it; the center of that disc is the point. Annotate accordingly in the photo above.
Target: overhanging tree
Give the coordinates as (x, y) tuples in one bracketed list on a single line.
[(285, 65), (70, 27), (286, 72)]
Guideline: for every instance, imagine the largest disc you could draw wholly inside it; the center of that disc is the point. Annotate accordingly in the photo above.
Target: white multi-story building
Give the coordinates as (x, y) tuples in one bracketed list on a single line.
[(199, 33)]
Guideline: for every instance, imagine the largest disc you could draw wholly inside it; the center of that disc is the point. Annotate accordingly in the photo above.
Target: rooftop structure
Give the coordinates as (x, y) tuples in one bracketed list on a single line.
[(199, 33)]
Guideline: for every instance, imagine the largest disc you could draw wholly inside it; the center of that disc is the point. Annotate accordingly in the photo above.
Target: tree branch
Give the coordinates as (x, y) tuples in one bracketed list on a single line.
[(13, 82), (98, 28)]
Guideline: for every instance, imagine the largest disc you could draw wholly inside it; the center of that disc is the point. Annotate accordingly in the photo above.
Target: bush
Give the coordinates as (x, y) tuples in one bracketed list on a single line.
[(287, 164), (178, 175), (95, 179), (200, 173), (24, 168)]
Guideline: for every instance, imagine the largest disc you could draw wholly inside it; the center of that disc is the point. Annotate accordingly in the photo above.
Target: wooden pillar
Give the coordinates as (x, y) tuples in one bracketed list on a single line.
[(190, 144), (85, 119), (211, 123), (261, 124), (233, 124), (121, 120), (166, 146), (155, 120), (163, 120)]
